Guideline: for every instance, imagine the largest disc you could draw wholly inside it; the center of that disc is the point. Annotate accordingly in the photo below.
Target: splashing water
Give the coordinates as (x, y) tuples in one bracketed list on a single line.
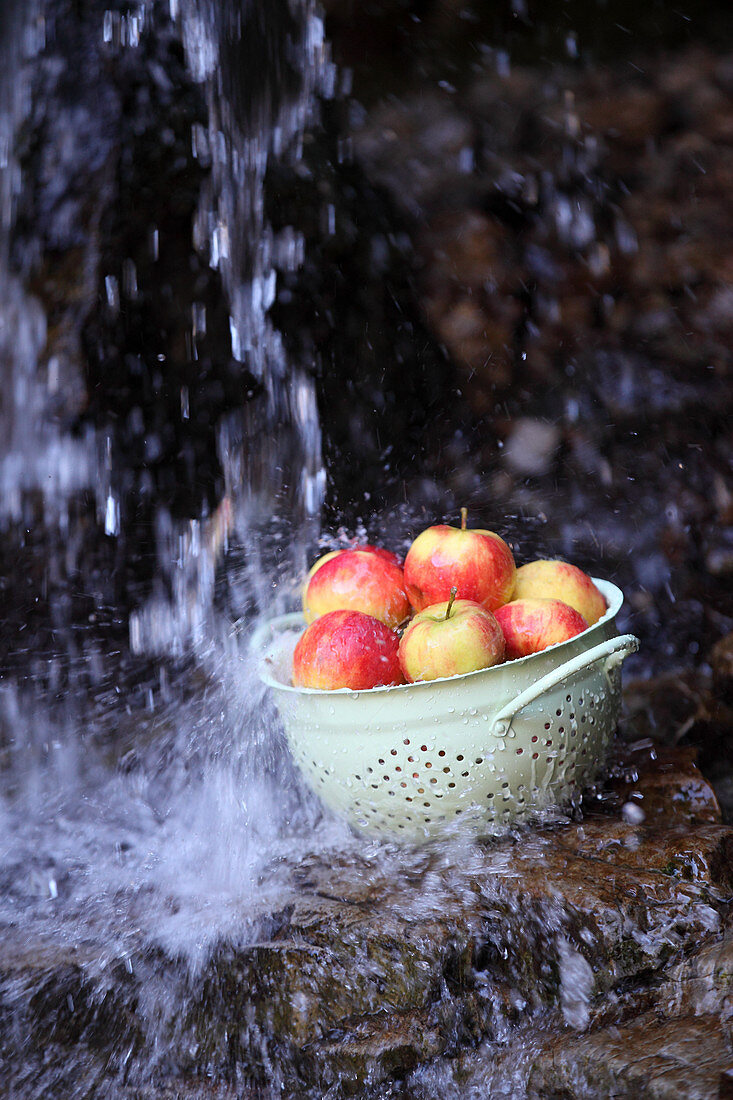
[(194, 805)]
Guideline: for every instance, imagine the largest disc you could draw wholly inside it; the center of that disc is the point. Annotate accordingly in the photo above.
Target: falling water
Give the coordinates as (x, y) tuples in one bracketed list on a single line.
[(35, 455), (270, 448), (202, 789)]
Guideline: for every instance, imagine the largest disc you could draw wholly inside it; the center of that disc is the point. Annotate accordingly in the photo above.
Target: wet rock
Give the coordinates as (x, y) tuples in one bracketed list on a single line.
[(480, 341), (531, 446), (702, 983), (429, 136), (665, 784), (598, 204), (651, 1059), (721, 662), (692, 708), (469, 250), (630, 118), (377, 962)]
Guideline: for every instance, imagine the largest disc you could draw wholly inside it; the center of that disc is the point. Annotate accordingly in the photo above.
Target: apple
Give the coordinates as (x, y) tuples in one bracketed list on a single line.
[(346, 649), (531, 625), (558, 580), (448, 639), (366, 580), (479, 564), (378, 550)]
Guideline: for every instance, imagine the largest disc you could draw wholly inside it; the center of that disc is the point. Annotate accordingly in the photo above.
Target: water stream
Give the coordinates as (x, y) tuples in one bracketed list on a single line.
[(202, 790)]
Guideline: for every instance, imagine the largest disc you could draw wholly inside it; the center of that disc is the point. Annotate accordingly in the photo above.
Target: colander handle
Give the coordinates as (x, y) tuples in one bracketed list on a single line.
[(611, 652)]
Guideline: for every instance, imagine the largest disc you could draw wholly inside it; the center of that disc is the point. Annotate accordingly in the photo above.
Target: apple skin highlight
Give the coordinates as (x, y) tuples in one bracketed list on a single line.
[(558, 580), (531, 625), (347, 649), (434, 646), (368, 580), (478, 563)]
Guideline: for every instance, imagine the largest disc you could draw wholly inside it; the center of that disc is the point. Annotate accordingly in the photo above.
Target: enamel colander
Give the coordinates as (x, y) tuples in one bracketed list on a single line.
[(485, 748)]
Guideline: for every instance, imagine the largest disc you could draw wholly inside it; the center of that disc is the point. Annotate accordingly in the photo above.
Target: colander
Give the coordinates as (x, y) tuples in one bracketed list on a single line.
[(483, 749)]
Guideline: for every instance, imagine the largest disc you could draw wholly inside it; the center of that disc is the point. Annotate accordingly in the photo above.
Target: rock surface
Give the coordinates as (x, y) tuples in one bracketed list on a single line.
[(572, 255), (603, 946)]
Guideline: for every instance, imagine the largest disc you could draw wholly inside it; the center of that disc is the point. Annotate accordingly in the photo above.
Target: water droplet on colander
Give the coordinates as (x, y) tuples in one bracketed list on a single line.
[(451, 710), (332, 710)]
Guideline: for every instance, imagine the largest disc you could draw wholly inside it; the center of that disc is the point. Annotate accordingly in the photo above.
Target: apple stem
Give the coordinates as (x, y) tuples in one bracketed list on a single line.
[(449, 608), (464, 517)]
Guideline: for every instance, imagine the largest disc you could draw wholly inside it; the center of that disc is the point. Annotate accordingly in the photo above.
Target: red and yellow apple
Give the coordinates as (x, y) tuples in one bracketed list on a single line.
[(558, 580), (478, 563), (369, 580), (346, 649), (366, 548), (449, 639), (531, 625)]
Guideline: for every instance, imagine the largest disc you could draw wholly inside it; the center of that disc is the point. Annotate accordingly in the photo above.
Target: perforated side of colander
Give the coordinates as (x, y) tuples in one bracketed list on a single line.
[(414, 779)]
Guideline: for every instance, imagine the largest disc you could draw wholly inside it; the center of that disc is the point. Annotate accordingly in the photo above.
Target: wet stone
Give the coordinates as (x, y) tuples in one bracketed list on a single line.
[(665, 784), (721, 660), (375, 963), (651, 1059)]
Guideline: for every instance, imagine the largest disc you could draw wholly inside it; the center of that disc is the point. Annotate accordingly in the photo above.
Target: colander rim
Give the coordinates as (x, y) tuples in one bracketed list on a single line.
[(612, 593)]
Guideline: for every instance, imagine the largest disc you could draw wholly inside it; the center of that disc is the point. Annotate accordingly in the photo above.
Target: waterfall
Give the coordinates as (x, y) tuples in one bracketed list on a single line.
[(115, 649)]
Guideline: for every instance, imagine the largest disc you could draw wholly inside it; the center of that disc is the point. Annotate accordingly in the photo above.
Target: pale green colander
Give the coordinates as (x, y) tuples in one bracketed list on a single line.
[(484, 748)]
